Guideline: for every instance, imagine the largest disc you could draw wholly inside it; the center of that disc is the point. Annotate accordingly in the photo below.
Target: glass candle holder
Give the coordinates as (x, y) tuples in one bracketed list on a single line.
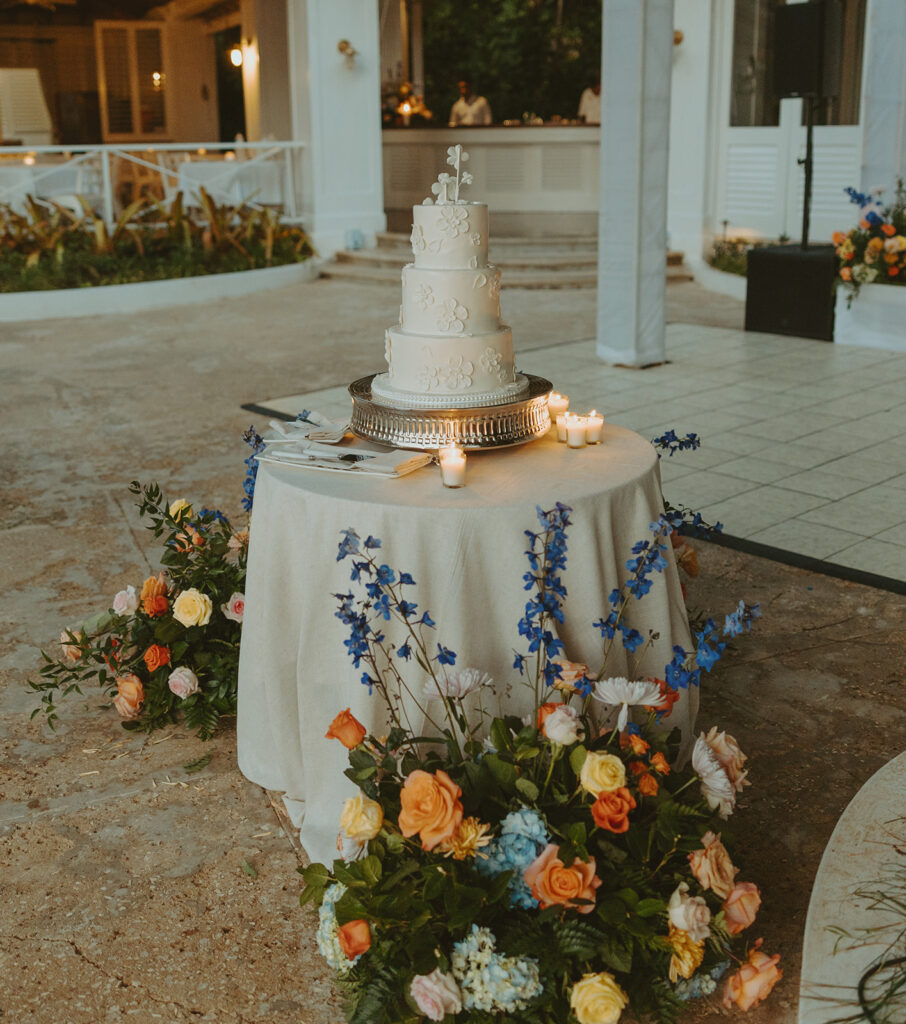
[(452, 466), (594, 427), (557, 404), (561, 426), (575, 431)]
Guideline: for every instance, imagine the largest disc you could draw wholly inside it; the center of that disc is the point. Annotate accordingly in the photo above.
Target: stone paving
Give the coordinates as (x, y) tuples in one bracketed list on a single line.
[(134, 890)]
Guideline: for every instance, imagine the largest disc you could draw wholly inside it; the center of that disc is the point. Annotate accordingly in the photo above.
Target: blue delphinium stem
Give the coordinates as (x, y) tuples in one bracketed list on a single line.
[(671, 443), (383, 587), (255, 441)]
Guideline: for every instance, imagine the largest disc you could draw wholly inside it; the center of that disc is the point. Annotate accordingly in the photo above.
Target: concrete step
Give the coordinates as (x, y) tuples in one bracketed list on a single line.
[(391, 239), (509, 262), (525, 278)]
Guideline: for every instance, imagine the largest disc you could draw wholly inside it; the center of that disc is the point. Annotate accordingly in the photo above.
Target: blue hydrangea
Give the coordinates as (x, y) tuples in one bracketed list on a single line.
[(702, 983), (523, 835), (492, 982)]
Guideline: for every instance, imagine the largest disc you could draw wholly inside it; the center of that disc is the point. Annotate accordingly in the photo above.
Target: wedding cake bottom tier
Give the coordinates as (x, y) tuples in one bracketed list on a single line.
[(465, 370), (383, 389)]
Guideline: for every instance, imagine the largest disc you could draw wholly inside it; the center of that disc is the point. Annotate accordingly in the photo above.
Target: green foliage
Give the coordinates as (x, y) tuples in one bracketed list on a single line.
[(523, 56), (731, 255), (201, 551), (50, 246)]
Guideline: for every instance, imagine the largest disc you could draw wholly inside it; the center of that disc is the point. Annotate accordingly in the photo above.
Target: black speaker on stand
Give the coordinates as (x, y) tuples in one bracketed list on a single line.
[(790, 289)]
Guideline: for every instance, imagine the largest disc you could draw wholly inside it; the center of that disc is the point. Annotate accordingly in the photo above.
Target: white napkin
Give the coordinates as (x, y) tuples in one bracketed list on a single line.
[(309, 455)]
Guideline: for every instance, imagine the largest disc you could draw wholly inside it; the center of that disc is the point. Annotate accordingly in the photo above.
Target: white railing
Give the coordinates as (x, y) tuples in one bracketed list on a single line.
[(109, 177)]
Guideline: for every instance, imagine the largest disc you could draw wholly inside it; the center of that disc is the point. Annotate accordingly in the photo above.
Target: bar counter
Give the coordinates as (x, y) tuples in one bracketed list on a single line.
[(547, 171)]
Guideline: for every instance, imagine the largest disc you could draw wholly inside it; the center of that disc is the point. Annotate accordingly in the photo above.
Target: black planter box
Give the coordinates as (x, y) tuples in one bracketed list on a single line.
[(791, 291)]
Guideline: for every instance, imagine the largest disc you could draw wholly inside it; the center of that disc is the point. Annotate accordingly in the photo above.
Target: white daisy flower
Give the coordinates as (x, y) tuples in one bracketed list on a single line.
[(457, 684), (717, 788), (619, 691)]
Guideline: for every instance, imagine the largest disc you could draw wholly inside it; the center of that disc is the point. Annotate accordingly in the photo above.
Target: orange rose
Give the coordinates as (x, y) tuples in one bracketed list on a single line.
[(354, 938), (846, 273), (638, 767), (648, 785), (659, 763), (347, 729), (753, 981), (156, 657), (130, 695), (639, 746), (154, 596), (741, 906), (838, 238), (687, 559), (875, 244), (889, 230), (669, 696), (554, 884), (544, 711), (430, 806), (890, 257), (864, 224), (849, 255), (893, 271), (611, 810), (184, 542)]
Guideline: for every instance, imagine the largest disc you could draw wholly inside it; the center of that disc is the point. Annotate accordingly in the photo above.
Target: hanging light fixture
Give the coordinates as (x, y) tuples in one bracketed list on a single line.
[(236, 56)]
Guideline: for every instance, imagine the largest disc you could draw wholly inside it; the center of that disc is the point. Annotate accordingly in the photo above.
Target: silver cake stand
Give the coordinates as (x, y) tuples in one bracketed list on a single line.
[(475, 429)]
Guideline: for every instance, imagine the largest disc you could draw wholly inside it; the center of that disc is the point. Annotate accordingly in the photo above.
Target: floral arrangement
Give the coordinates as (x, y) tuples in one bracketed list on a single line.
[(171, 647), (874, 252), (552, 868)]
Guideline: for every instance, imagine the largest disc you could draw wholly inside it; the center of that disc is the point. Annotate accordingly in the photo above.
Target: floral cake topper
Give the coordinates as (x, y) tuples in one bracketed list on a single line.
[(456, 157)]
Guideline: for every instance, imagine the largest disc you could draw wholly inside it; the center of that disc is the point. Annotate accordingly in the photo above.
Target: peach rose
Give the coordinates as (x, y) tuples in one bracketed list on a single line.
[(741, 907), (347, 729), (753, 981), (238, 541), (731, 758), (430, 806), (71, 646), (712, 867), (186, 541), (611, 810), (354, 938), (571, 673), (554, 884), (436, 994), (156, 657), (154, 596), (130, 695)]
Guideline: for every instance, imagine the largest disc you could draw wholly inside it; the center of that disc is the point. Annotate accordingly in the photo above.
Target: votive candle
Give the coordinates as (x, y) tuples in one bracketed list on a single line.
[(452, 466), (561, 426), (557, 404), (575, 431), (594, 427)]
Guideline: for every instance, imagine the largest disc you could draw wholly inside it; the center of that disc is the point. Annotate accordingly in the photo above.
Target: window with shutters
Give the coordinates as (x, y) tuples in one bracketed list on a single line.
[(132, 80)]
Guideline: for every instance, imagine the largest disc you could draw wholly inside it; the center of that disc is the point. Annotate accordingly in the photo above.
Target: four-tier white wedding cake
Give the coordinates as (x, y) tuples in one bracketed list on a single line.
[(450, 349)]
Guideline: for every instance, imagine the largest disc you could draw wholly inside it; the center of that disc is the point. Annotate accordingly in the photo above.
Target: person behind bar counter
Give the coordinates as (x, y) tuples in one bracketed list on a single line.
[(469, 109)]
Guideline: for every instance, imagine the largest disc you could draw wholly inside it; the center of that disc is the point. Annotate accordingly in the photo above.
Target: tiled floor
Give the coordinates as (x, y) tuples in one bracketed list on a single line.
[(803, 443)]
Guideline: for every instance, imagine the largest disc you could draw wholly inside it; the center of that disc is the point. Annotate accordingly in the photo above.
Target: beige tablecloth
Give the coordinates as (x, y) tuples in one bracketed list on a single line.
[(465, 549)]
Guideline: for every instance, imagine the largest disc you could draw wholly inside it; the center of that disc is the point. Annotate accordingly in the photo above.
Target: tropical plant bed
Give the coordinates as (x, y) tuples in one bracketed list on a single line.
[(48, 248)]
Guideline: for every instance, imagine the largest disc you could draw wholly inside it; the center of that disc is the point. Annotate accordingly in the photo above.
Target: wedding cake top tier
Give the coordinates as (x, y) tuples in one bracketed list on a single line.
[(449, 233)]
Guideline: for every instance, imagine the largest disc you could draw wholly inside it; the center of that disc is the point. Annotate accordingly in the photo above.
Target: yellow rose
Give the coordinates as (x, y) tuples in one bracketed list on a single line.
[(192, 608), (361, 818), (602, 773), (597, 999), (179, 509)]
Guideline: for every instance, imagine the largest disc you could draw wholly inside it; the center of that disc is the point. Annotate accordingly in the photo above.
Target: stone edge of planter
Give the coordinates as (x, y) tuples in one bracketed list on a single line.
[(858, 852), (147, 295), (720, 281), (877, 318)]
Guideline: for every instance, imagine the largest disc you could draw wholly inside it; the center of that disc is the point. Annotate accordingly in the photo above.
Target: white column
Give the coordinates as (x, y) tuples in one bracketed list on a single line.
[(637, 51), (418, 49), (336, 112), (690, 128), (884, 96)]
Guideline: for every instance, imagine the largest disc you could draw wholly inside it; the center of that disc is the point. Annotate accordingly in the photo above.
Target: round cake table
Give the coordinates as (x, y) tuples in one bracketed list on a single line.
[(466, 550)]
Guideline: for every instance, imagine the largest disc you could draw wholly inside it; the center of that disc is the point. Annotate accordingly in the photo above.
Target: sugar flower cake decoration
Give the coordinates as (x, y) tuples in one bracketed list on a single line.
[(447, 183)]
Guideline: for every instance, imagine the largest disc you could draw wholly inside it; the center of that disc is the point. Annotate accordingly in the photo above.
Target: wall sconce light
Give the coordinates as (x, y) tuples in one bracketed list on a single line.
[(157, 79), (348, 51), (236, 56)]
